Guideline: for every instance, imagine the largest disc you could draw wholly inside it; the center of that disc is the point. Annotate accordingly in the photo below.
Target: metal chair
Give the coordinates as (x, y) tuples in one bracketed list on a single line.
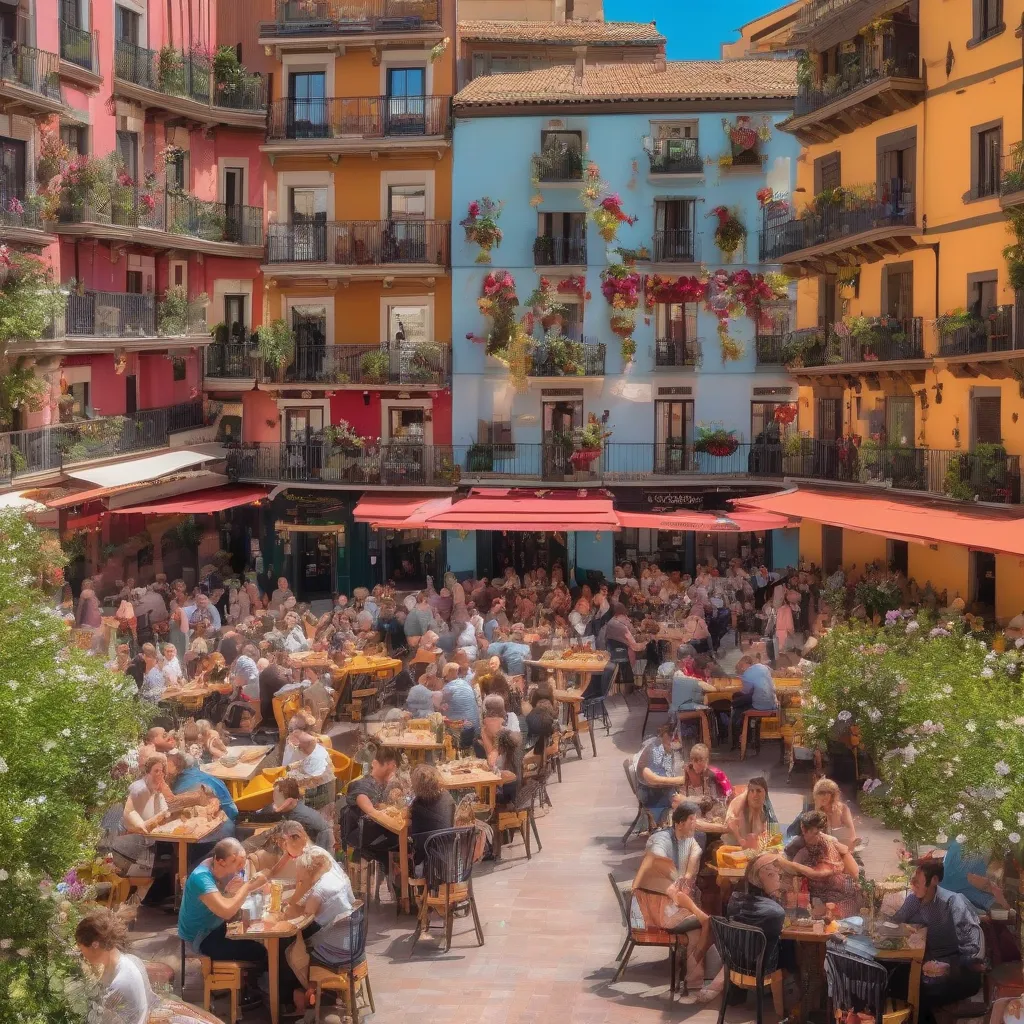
[(623, 891), (859, 984), (658, 701), (346, 931), (520, 815), (742, 949), (651, 907), (627, 767), (448, 877)]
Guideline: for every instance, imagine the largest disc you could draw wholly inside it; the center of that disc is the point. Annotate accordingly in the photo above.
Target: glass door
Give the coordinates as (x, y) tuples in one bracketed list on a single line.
[(405, 111), (308, 209), (405, 455), (310, 327), (303, 430), (307, 105), (561, 418), (673, 430), (12, 172), (405, 237)]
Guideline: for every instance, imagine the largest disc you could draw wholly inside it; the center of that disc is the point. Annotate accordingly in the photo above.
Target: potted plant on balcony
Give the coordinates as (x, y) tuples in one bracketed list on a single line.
[(170, 70), (713, 439), (340, 437), (275, 347), (175, 313), (425, 362), (481, 226), (498, 303), (793, 454), (480, 458), (561, 355), (620, 286), (588, 442), (375, 366), (603, 206)]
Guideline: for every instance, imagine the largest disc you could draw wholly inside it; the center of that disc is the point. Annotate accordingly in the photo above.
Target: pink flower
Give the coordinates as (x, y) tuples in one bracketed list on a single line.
[(14, 206), (125, 179), (474, 209), (5, 257)]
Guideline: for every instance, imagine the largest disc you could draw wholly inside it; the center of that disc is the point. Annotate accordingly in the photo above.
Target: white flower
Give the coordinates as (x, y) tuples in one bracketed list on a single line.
[(942, 838), (1002, 768), (997, 826), (961, 839), (1020, 817), (956, 816), (844, 716), (908, 811), (987, 673), (1019, 642), (101, 786), (6, 943), (48, 746), (24, 951), (913, 626), (3, 875), (970, 726), (3, 766), (874, 714), (1014, 837), (66, 733)]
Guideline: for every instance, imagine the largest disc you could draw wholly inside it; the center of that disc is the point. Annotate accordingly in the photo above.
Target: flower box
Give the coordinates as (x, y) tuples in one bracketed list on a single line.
[(583, 457)]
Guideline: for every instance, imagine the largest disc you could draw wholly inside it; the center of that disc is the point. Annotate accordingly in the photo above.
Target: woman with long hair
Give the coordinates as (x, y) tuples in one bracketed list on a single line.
[(751, 816)]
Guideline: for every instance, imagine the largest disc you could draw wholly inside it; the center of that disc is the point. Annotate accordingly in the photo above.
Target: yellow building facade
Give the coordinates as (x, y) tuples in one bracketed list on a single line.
[(909, 352)]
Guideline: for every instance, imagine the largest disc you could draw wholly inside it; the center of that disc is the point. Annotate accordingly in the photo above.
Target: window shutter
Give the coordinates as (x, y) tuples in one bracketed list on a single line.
[(987, 420)]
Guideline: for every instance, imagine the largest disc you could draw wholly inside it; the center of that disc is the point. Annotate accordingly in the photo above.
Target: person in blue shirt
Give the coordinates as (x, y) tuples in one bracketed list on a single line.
[(187, 777), (757, 693), (458, 703), (514, 653)]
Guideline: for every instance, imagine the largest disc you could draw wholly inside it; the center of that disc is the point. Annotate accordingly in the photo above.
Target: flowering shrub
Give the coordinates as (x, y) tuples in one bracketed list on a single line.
[(620, 285), (603, 206), (65, 722), (729, 295), (941, 717), (730, 233), (481, 225), (658, 289), (574, 285), (769, 199), (498, 303)]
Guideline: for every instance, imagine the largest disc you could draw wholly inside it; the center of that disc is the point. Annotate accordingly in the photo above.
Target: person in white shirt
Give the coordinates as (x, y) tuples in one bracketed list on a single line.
[(203, 610), (170, 666), (315, 763), (295, 638), (153, 680)]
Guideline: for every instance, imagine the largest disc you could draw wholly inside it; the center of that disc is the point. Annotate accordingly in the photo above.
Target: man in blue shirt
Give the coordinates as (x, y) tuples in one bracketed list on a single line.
[(513, 653), (188, 778), (757, 693), (954, 938), (458, 703)]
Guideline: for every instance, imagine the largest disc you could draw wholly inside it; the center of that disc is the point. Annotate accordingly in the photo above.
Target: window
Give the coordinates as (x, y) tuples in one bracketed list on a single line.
[(179, 273), (128, 153), (986, 150), (234, 186), (561, 240), (178, 365), (898, 290), (561, 156), (307, 108), (70, 13), (982, 293), (234, 314), (986, 420), (407, 82), (828, 173), (408, 324), (174, 171), (673, 430), (676, 321), (988, 19), (133, 282), (497, 432), (407, 202), (764, 428), (898, 556), (896, 170), (76, 138), (674, 235), (826, 300), (12, 171), (126, 25), (80, 405)]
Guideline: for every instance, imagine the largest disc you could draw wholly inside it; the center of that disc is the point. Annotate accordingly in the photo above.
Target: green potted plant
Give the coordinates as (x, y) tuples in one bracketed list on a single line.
[(219, 333), (170, 70), (480, 458), (793, 454), (175, 313), (588, 442), (714, 439), (275, 346), (374, 367), (341, 437)]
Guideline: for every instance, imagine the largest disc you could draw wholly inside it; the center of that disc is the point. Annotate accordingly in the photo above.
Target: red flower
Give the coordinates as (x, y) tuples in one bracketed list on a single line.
[(474, 209)]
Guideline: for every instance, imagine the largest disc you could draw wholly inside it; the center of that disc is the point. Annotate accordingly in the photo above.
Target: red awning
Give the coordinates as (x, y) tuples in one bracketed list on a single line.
[(981, 529), (213, 499), (678, 522), (397, 513), (525, 512), (757, 522)]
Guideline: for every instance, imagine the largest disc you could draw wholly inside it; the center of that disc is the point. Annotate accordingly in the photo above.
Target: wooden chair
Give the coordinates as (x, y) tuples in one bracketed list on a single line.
[(658, 701), (642, 811), (520, 817), (347, 930), (448, 877), (702, 717), (223, 976), (742, 948), (652, 906), (754, 720)]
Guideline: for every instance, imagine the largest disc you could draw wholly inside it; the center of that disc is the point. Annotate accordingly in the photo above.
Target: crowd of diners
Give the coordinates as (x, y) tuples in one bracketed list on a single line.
[(464, 649)]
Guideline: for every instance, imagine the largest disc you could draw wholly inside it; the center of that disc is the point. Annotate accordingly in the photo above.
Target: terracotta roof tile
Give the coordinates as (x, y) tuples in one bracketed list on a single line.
[(691, 79), (569, 33)]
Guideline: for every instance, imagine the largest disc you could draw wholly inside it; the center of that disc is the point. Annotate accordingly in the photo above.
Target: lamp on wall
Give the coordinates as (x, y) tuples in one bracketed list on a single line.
[(366, 398)]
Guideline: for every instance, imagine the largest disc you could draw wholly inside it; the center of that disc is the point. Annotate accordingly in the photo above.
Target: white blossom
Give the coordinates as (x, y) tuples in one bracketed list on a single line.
[(24, 951), (961, 839), (3, 875), (1002, 768), (6, 943), (1014, 837), (987, 673), (3, 766), (908, 811), (66, 733), (844, 716), (942, 838), (956, 816), (970, 726), (997, 826), (874, 714)]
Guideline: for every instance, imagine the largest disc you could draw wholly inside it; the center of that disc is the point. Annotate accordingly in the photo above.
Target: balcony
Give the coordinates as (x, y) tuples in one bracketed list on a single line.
[(184, 84), (770, 346), (358, 124), (560, 251), (20, 220), (557, 164), (365, 248), (848, 226), (29, 80), (352, 22), (677, 352), (79, 55), (675, 156), (822, 24), (875, 82), (858, 346), (681, 245), (989, 345), (1011, 182), (165, 220), (568, 358), (52, 449)]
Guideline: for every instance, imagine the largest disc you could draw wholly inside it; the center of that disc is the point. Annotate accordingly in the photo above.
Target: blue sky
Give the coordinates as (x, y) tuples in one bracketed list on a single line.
[(695, 28)]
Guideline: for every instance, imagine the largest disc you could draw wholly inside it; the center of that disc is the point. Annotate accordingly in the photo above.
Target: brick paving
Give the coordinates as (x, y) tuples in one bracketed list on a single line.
[(551, 924)]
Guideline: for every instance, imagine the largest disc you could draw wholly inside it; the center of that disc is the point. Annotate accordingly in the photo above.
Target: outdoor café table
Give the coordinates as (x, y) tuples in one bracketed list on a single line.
[(582, 664), (270, 931), (189, 700), (467, 775), (727, 687), (238, 775), (910, 951), (362, 668), (417, 742), (571, 700), (398, 824), (183, 834)]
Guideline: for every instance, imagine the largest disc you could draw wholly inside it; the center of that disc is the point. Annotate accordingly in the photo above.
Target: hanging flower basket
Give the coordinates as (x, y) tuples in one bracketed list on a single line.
[(622, 324), (716, 441), (583, 457)]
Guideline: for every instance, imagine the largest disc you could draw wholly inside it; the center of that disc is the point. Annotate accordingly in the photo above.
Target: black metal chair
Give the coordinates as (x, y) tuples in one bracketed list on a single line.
[(622, 891), (347, 931), (627, 767), (859, 984), (448, 878), (742, 949)]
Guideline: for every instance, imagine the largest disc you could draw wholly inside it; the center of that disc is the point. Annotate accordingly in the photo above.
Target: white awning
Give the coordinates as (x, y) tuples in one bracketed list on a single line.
[(17, 499), (139, 470)]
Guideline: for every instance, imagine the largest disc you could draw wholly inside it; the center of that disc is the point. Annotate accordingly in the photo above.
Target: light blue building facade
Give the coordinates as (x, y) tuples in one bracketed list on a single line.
[(672, 161)]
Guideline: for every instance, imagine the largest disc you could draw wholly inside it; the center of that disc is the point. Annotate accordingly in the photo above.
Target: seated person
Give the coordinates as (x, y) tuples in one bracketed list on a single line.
[(513, 653), (502, 749), (701, 780), (967, 874), (302, 721), (420, 700), (458, 704), (213, 895), (828, 866), (494, 705), (431, 810), (202, 741), (314, 768), (158, 741), (757, 693), (144, 809), (189, 784), (688, 693), (287, 805), (655, 782), (542, 717), (825, 798), (370, 840), (750, 816), (954, 938)]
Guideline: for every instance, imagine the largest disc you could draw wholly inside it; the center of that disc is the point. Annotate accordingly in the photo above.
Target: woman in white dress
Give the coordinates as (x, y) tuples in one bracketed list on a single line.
[(126, 996), (144, 809)]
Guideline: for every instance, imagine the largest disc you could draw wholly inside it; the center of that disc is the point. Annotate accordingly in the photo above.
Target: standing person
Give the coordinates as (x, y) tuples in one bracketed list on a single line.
[(457, 701), (420, 619), (153, 680), (279, 596), (89, 615), (621, 644)]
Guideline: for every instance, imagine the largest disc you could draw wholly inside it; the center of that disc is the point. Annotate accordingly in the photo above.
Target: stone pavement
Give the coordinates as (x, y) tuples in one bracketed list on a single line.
[(552, 925)]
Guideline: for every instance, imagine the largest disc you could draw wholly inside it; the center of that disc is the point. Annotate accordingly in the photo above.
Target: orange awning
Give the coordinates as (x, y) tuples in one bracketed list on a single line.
[(525, 512), (925, 521), (213, 499), (398, 513), (709, 522), (81, 497), (757, 522)]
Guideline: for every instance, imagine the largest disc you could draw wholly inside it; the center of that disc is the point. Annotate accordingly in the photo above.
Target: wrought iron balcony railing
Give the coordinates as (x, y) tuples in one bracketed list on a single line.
[(359, 117), (78, 46), (676, 156), (340, 17), (30, 68), (560, 250), (360, 243)]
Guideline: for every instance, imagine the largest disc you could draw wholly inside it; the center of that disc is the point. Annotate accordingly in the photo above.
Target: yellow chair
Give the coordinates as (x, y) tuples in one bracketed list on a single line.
[(284, 708)]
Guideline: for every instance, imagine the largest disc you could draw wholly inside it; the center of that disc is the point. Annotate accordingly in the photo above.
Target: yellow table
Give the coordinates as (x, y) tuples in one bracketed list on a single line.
[(199, 830), (483, 780), (237, 776), (413, 741)]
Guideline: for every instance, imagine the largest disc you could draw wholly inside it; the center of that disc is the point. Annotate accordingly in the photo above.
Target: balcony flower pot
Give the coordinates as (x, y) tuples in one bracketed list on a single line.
[(583, 457), (622, 324)]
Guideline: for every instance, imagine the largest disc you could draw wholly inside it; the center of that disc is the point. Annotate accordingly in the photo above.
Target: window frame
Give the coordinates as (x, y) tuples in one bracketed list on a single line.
[(982, 33)]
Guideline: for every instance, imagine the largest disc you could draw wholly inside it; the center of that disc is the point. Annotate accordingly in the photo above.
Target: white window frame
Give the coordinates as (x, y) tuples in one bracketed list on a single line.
[(312, 62), (171, 264), (389, 178), (226, 286), (426, 404), (234, 162), (408, 59), (301, 179), (284, 404), (387, 301)]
